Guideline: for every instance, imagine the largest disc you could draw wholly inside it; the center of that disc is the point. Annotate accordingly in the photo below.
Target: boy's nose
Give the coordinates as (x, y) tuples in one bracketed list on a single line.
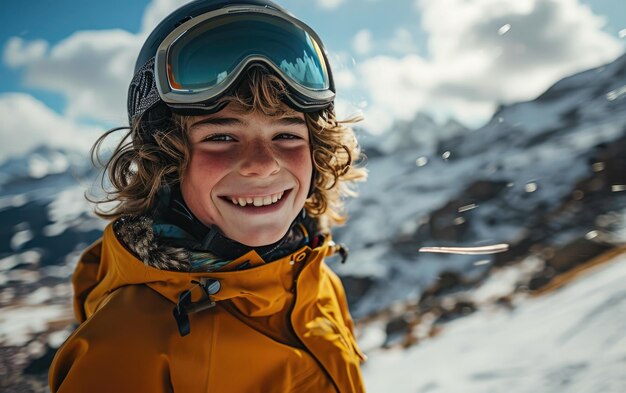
[(259, 160)]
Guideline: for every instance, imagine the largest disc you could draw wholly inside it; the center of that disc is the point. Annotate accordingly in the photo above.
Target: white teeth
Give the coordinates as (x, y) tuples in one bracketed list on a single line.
[(257, 201)]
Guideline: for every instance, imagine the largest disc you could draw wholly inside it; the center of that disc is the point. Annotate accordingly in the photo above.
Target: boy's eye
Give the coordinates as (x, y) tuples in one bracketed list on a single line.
[(287, 136), (218, 138)]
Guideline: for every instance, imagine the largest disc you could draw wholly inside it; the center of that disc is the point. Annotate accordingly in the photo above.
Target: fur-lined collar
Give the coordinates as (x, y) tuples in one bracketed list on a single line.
[(136, 233), (144, 238)]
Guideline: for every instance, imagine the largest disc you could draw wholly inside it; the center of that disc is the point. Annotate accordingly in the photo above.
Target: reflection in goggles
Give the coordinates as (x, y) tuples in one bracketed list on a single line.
[(305, 70)]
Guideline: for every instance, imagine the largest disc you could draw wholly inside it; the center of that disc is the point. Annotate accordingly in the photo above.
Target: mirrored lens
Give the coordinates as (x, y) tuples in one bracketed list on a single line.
[(204, 56)]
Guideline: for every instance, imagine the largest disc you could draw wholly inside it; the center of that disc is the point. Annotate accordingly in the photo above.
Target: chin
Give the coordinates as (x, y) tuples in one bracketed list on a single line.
[(257, 239), (260, 242)]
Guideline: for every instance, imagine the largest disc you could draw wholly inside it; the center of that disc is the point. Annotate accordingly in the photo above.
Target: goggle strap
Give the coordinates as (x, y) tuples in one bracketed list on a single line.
[(142, 92)]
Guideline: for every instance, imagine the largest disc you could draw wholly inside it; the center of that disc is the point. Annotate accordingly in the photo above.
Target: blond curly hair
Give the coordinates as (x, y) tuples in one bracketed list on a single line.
[(154, 155)]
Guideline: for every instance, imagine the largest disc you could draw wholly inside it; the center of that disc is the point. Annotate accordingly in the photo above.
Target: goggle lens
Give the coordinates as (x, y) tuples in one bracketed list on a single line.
[(203, 57)]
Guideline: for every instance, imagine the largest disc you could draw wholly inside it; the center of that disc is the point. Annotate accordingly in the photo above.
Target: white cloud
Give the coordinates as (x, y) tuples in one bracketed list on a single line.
[(91, 69), (28, 123), (329, 4), (402, 41), (18, 52), (473, 65), (362, 42), (344, 79)]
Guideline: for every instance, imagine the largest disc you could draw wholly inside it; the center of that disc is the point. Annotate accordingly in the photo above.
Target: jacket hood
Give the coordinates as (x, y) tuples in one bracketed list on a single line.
[(108, 265)]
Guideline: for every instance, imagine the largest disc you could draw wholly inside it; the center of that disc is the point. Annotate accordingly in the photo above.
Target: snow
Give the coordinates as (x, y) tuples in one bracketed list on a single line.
[(27, 257), (20, 238), (40, 166), (66, 210), (540, 148), (12, 201), (571, 340), (27, 172), (19, 324), (502, 282), (39, 296), (56, 339)]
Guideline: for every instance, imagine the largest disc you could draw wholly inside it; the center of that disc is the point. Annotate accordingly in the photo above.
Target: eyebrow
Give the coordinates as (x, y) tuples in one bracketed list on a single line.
[(291, 121), (218, 121), (231, 121)]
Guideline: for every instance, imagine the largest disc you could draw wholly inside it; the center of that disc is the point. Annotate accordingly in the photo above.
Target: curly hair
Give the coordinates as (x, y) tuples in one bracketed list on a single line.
[(154, 154)]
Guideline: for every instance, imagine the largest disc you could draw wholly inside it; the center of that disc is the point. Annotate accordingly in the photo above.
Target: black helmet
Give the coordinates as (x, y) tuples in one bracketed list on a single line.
[(199, 52)]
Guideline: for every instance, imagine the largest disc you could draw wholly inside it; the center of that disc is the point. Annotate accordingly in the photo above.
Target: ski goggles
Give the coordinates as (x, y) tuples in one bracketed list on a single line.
[(203, 58)]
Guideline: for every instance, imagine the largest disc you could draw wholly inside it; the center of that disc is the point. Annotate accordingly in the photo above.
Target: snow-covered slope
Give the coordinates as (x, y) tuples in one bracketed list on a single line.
[(571, 341)]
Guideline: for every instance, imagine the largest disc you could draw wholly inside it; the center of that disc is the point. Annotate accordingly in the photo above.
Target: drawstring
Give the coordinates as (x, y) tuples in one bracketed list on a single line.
[(341, 249), (185, 306)]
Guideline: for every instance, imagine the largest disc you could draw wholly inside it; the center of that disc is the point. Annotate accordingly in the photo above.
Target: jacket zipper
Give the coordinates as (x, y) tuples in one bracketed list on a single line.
[(294, 290)]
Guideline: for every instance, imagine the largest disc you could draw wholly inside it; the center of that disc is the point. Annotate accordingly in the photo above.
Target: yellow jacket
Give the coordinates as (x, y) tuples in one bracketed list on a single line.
[(283, 326)]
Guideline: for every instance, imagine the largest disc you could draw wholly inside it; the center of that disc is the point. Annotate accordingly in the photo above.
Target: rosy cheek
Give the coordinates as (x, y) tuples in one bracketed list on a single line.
[(300, 162), (207, 163), (202, 174)]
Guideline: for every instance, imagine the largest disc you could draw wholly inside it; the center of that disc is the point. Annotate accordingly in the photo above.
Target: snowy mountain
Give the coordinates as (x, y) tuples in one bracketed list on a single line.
[(41, 162), (537, 177), (547, 177), (43, 210), (405, 137)]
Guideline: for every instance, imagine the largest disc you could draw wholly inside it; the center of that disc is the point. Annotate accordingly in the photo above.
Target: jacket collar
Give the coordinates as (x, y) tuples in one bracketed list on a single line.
[(164, 244), (108, 265)]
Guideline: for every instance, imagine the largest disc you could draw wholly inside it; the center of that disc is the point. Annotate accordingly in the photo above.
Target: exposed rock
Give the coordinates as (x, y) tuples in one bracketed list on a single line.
[(398, 329), (540, 280), (456, 309), (448, 223), (12, 378), (575, 253), (40, 365), (447, 282)]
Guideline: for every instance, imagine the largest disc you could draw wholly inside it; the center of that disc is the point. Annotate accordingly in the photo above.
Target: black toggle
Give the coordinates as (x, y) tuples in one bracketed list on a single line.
[(185, 306)]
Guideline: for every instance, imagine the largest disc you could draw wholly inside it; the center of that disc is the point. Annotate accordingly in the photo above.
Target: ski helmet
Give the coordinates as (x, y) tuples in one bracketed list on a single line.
[(200, 51)]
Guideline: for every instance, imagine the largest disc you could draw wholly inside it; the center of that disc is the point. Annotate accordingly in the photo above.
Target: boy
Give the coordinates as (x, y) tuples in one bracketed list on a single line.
[(211, 275)]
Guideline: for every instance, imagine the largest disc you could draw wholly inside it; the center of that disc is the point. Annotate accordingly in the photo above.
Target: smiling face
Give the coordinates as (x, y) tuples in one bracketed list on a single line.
[(249, 173)]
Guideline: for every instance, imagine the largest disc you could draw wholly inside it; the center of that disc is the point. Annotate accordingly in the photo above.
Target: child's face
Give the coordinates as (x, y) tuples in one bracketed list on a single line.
[(260, 162)]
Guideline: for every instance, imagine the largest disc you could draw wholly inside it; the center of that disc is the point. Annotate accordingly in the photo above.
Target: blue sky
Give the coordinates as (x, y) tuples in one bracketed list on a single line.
[(449, 58)]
